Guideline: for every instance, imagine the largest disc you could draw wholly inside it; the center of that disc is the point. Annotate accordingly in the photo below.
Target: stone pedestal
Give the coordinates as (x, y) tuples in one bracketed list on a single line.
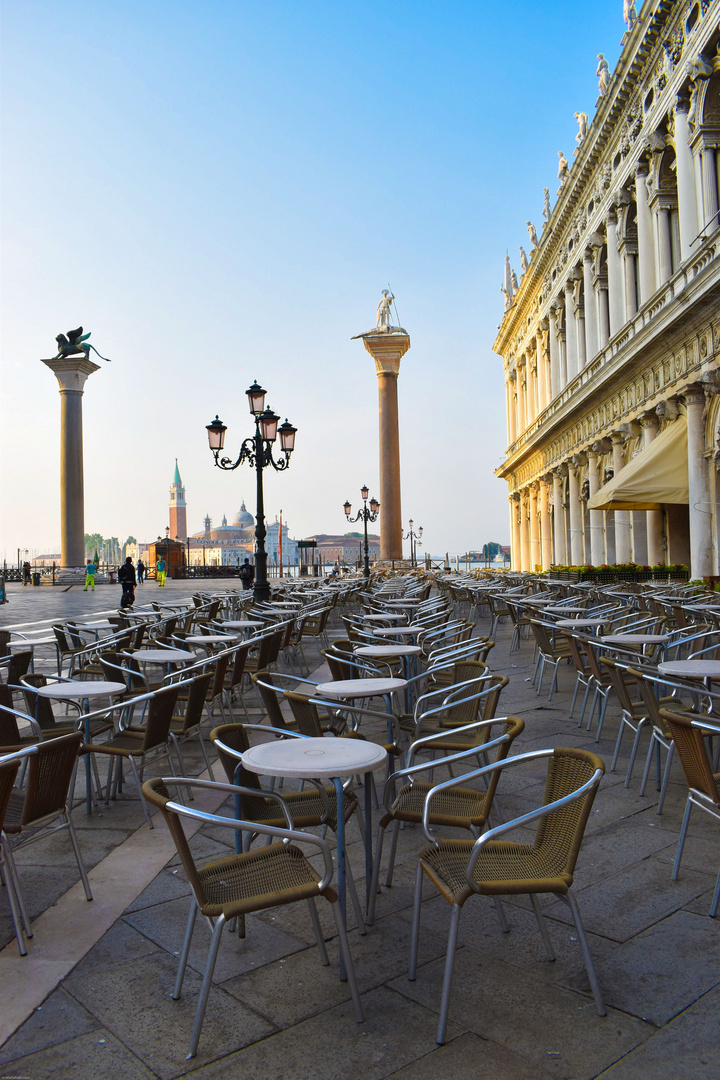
[(387, 348), (71, 374)]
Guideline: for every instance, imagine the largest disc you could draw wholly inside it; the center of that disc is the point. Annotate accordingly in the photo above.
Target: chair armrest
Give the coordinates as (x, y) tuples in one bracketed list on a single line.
[(526, 819)]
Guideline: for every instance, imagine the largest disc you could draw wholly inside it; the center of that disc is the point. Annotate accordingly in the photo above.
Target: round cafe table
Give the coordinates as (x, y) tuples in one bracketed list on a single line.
[(324, 759), (364, 688), (382, 618), (707, 670), (211, 639), (397, 631), (82, 692), (634, 639), (389, 652), (579, 624), (162, 656), (242, 624)]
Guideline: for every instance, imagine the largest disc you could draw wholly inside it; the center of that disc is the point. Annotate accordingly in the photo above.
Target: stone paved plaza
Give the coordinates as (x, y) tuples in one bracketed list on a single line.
[(91, 1000)]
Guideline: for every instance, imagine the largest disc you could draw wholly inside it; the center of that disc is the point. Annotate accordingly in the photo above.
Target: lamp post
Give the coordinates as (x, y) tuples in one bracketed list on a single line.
[(364, 515), (415, 541), (256, 450)]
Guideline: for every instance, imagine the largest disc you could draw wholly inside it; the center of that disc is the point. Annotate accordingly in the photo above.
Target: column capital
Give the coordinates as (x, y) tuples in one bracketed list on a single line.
[(617, 438), (561, 470), (72, 372), (694, 394), (602, 446), (649, 420), (578, 460)]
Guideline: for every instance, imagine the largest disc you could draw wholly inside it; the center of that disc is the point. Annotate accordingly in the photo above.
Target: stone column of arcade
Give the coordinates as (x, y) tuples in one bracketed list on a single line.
[(387, 344), (72, 373)]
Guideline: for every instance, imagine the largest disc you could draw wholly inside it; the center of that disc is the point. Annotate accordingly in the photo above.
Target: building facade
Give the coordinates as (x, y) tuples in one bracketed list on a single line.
[(611, 340)]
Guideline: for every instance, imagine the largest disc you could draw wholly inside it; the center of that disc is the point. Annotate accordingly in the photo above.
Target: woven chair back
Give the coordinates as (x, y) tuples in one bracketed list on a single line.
[(158, 795), (275, 644), (578, 653), (512, 726), (196, 700), (652, 706), (238, 666), (39, 707), (9, 731), (269, 698), (219, 672), (8, 772), (692, 751), (235, 737), (491, 698), (18, 666), (49, 774), (306, 715), (159, 718), (621, 681), (559, 835)]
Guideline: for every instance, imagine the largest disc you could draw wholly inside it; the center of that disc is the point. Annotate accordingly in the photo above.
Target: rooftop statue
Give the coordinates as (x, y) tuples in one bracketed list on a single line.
[(546, 203), (563, 168), (514, 279), (532, 233), (582, 122), (76, 342), (603, 74), (629, 13), (384, 311), (523, 259)]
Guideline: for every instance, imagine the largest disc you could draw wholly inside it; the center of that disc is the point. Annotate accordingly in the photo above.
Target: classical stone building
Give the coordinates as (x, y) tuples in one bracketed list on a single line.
[(611, 341)]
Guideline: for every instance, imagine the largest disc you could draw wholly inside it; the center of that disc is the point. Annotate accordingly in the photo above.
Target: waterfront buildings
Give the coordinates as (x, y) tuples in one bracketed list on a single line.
[(610, 343)]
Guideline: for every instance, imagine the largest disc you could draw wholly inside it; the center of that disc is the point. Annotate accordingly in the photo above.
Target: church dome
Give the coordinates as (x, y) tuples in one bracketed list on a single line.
[(243, 518)]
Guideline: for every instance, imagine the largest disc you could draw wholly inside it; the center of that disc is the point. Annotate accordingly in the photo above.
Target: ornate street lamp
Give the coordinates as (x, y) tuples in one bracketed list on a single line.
[(415, 541), (257, 451), (364, 515)]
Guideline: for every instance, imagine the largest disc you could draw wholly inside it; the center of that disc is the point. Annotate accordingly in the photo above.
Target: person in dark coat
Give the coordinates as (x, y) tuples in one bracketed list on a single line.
[(126, 577)]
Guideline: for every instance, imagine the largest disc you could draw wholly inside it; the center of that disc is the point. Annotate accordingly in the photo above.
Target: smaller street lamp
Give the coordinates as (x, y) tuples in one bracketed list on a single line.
[(414, 537), (364, 515)]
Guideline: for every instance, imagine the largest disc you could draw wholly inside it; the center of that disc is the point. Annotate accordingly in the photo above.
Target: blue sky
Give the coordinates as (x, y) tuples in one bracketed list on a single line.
[(220, 190)]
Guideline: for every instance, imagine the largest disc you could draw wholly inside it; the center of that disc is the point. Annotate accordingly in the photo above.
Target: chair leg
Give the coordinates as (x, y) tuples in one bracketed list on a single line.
[(716, 898), (633, 753), (574, 697), (601, 718), (542, 926), (681, 838), (375, 882), (501, 915), (185, 951), (138, 781), (206, 984), (414, 937), (648, 763), (13, 875), (666, 776), (393, 850), (347, 959), (354, 898), (621, 732), (78, 856), (447, 979), (15, 914), (312, 905), (203, 748), (597, 992)]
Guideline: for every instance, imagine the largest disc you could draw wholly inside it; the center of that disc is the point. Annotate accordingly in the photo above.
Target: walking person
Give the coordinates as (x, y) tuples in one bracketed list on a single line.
[(126, 577), (140, 571), (247, 575), (161, 571), (26, 573), (90, 572)]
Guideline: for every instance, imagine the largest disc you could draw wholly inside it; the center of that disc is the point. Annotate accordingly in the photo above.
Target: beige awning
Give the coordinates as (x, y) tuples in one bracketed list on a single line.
[(658, 474)]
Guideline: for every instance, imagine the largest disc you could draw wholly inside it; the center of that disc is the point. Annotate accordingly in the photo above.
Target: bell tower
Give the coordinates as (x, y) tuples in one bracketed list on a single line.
[(178, 511)]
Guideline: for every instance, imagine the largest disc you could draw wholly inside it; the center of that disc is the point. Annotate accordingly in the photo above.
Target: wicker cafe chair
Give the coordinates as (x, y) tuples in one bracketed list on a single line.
[(8, 771), (455, 807), (688, 736), (251, 881), (496, 867), (550, 652), (133, 743), (189, 724), (34, 809)]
